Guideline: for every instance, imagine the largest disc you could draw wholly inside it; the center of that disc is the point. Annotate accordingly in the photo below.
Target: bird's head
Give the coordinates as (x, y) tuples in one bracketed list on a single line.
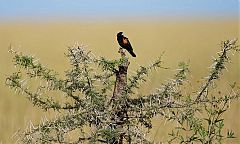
[(119, 34)]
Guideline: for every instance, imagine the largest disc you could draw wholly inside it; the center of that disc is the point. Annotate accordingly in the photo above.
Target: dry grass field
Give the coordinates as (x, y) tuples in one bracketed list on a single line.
[(193, 41)]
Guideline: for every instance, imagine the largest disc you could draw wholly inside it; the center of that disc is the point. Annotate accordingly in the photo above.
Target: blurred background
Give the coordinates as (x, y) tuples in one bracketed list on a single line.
[(185, 30)]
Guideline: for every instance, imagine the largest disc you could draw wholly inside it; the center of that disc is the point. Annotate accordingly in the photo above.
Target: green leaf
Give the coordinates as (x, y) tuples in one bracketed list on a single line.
[(230, 134)]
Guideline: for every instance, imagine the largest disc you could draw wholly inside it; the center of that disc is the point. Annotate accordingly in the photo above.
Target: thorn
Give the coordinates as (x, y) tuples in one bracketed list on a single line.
[(31, 126)]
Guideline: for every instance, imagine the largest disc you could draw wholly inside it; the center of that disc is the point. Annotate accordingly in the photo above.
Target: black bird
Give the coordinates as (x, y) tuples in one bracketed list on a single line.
[(125, 43)]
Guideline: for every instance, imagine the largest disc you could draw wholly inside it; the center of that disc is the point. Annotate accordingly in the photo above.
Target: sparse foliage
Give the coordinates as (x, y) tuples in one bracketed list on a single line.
[(97, 103)]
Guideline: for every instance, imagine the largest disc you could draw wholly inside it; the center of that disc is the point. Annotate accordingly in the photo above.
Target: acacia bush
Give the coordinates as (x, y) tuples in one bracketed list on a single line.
[(96, 101)]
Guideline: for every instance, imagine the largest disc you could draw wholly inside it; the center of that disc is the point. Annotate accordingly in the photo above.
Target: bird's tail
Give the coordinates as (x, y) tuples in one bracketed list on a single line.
[(132, 53)]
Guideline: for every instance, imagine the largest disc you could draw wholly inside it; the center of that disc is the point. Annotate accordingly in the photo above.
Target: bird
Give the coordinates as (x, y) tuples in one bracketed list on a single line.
[(125, 43)]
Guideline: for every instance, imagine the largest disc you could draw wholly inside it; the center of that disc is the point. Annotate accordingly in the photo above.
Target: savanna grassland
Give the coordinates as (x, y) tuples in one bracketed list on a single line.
[(192, 41)]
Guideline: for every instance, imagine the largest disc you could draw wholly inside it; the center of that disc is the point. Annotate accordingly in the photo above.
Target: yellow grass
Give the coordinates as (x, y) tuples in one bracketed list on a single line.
[(196, 41)]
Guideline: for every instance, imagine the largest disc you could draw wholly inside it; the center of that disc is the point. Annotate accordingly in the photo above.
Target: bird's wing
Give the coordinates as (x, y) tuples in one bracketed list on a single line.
[(127, 43), (125, 40)]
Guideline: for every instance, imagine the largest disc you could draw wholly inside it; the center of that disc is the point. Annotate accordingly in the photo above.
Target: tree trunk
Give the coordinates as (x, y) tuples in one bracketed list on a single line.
[(119, 91), (121, 77)]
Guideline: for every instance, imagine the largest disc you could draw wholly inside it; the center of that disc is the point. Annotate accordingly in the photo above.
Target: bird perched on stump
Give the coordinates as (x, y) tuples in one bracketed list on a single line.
[(125, 43)]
